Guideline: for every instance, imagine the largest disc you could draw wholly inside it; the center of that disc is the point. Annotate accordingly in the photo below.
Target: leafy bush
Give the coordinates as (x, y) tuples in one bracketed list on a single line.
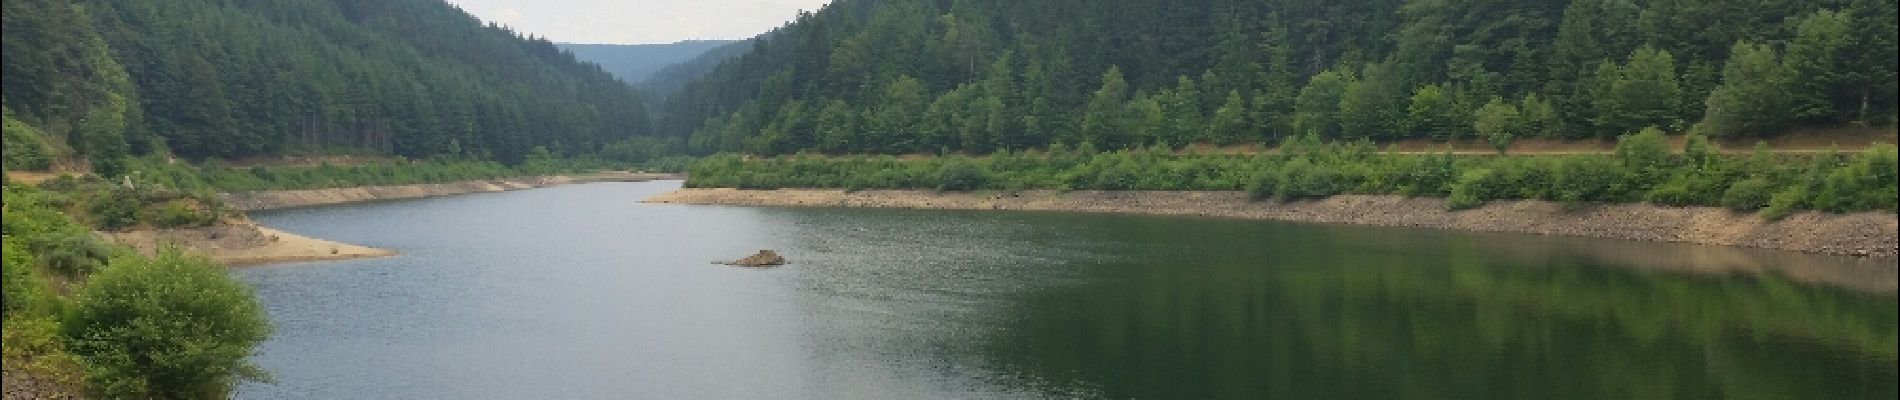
[(23, 291), (1475, 188), (115, 207), (1748, 194), (960, 176), (1301, 179), (1785, 202), (174, 326), (1866, 183), (1677, 191), (1580, 179), (1119, 176), (25, 148), (71, 254), (1646, 155), (180, 213)]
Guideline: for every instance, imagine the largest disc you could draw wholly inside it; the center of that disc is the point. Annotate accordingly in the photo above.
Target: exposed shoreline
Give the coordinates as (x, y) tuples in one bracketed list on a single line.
[(281, 199), (1870, 234), (244, 243)]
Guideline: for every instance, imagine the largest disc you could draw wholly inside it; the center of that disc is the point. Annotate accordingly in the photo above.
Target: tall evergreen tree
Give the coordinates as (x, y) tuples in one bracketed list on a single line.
[(1752, 100), (1641, 93)]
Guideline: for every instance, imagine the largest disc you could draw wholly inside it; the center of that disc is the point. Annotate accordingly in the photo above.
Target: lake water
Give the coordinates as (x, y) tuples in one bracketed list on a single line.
[(581, 292)]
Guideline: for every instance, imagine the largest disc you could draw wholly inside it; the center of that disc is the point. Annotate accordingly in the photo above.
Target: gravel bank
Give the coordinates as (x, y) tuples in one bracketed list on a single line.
[(277, 199), (1860, 234)]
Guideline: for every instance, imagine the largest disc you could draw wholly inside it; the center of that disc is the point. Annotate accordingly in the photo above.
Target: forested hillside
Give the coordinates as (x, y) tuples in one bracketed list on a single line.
[(101, 79), (900, 76), (669, 79), (633, 63)]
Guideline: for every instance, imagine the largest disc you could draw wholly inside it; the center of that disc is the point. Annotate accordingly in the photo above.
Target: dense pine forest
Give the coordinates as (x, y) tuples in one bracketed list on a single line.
[(103, 79), (864, 76)]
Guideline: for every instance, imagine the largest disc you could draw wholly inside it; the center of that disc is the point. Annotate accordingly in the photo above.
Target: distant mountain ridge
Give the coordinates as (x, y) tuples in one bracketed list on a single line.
[(670, 79), (634, 63)]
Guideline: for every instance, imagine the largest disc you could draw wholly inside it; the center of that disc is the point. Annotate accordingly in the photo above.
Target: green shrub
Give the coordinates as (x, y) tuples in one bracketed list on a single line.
[(1427, 176), (1646, 155), (1265, 184), (1474, 188), (1302, 179), (25, 148), (115, 207), (181, 213), (72, 254), (1579, 179), (1674, 192), (173, 326), (960, 176), (23, 289), (1748, 194), (1116, 177), (1785, 202), (1865, 183)]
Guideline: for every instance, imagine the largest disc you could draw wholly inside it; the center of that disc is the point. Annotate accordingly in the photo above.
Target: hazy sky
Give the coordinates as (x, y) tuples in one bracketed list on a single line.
[(639, 21)]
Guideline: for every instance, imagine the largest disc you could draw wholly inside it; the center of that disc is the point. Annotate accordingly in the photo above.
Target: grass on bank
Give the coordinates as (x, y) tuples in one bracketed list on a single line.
[(1644, 168)]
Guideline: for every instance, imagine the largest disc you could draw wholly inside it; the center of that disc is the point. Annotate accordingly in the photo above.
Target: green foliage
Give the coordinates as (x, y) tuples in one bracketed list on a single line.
[(1753, 99), (1229, 124), (961, 176), (35, 221), (1643, 169), (1865, 183), (25, 147), (1538, 117), (1645, 155), (1316, 110), (1374, 106), (1821, 85), (1498, 122), (1641, 93), (1351, 76), (24, 291), (1786, 202), (115, 78), (1103, 122), (1748, 194), (171, 327), (1431, 114), (174, 326), (1475, 187)]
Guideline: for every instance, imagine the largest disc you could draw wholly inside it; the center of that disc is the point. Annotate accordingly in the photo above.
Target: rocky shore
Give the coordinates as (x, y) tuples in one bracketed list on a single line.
[(1860, 234), (278, 199)]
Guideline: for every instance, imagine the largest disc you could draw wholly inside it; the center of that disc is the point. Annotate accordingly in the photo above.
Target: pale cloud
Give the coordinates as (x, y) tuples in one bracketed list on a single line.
[(639, 21)]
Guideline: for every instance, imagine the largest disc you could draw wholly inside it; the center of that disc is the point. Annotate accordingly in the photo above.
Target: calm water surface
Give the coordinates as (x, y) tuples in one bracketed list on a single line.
[(580, 292)]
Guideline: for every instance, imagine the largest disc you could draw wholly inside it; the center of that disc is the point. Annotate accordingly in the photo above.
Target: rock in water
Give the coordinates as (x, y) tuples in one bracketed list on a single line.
[(765, 258)]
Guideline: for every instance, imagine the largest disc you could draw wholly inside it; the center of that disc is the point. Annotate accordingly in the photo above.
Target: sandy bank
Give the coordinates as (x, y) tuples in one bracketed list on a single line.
[(1860, 234), (243, 243), (276, 199)]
